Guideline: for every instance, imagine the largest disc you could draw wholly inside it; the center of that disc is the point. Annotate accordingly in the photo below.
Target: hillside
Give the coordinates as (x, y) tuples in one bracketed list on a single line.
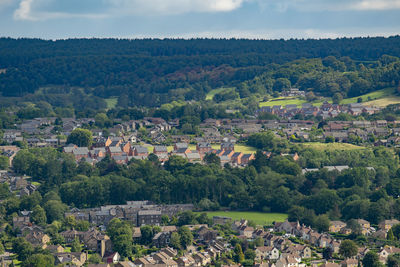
[(150, 72)]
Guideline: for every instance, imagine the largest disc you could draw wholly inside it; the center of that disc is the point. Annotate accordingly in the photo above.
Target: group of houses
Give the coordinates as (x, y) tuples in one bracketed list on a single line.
[(138, 212), (326, 110), (122, 152)]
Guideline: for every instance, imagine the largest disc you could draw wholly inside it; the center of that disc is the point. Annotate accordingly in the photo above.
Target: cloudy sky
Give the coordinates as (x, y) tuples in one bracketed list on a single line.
[(267, 19)]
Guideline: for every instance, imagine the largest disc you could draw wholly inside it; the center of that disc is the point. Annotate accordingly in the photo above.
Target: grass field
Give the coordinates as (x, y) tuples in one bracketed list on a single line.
[(374, 96), (210, 95), (383, 102), (111, 102), (380, 98), (332, 146), (283, 101), (259, 218)]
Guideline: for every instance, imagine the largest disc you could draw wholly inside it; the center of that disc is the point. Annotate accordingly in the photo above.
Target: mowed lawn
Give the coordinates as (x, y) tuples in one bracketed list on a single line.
[(332, 146), (259, 218)]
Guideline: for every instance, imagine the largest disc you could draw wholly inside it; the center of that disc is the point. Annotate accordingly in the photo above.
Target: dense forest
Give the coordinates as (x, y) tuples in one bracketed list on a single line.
[(153, 72)]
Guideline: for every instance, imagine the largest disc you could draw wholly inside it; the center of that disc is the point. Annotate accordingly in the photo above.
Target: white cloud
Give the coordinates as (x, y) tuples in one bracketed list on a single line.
[(376, 5), (23, 12), (170, 7), (28, 11), (38, 9), (328, 5), (35, 10)]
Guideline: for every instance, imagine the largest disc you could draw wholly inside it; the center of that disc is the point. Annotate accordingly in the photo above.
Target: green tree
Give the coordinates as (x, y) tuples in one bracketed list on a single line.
[(211, 158), (390, 235), (322, 223), (120, 233), (239, 256), (348, 248), (54, 210), (4, 162), (39, 215), (250, 254), (76, 245), (95, 258), (337, 98), (396, 231), (147, 234), (22, 248), (186, 236), (393, 260), (175, 240), (39, 260), (80, 137), (371, 259)]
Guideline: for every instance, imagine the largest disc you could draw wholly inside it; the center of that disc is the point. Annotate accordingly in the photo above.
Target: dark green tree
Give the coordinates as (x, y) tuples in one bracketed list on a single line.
[(80, 137)]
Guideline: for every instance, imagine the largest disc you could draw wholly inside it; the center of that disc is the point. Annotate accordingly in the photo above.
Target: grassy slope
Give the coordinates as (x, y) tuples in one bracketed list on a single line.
[(380, 98), (258, 217), (332, 146), (210, 95), (111, 102), (283, 101), (384, 93)]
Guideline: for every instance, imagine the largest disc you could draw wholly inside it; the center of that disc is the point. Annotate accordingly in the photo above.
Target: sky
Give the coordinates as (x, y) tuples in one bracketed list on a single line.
[(255, 19)]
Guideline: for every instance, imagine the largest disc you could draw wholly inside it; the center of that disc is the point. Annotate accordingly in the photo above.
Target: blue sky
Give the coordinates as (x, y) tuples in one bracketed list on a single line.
[(266, 19)]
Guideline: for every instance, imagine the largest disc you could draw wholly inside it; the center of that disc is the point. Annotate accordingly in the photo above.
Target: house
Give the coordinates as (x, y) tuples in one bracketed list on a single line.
[(186, 261), (55, 248), (247, 231), (38, 239), (179, 146), (228, 147), (237, 158), (161, 239), (336, 226), (329, 264), (203, 147), (114, 151), (246, 158), (387, 224), (205, 234), (106, 265), (193, 156), (222, 220), (112, 258), (202, 259), (149, 217), (286, 226), (160, 150), (365, 226), (266, 253), (140, 151), (70, 258), (21, 221), (80, 153), (288, 261), (349, 263)]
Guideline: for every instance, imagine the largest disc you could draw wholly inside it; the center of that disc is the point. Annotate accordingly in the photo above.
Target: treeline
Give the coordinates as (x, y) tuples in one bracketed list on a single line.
[(267, 184), (153, 72)]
